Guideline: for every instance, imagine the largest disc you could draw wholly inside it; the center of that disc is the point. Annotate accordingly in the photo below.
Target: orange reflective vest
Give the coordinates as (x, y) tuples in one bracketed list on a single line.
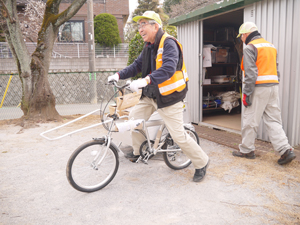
[(265, 62), (178, 80)]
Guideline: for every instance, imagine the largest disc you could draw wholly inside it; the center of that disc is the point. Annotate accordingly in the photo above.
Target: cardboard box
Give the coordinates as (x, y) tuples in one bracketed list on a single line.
[(207, 81), (221, 55), (129, 100), (125, 102)]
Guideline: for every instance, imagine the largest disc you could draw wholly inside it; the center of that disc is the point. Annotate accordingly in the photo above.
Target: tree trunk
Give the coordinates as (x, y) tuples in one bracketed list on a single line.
[(38, 100), (39, 105)]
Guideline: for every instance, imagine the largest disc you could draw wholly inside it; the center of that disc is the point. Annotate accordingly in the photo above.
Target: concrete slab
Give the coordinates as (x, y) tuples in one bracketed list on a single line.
[(34, 188)]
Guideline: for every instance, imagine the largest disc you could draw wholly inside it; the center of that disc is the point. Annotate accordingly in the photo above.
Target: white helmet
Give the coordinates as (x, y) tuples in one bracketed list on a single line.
[(247, 27)]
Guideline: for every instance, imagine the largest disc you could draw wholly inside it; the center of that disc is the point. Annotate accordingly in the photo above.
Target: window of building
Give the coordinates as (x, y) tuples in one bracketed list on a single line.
[(71, 31)]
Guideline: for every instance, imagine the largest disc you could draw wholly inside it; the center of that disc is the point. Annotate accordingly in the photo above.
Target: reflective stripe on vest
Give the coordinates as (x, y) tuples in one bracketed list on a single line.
[(265, 62), (178, 80)]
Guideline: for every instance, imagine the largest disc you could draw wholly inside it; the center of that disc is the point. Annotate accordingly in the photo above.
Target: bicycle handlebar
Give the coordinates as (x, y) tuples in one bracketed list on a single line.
[(113, 82)]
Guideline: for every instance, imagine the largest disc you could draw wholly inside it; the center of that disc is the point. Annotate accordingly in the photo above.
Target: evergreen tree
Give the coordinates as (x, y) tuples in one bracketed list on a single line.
[(135, 48), (106, 30), (146, 5)]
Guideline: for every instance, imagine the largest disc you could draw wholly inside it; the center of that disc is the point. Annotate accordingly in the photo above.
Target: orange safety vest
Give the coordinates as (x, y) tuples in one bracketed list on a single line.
[(178, 80), (265, 62)]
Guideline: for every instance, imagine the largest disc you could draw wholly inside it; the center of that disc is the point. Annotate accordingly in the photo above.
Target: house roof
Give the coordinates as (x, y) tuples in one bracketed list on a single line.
[(210, 10)]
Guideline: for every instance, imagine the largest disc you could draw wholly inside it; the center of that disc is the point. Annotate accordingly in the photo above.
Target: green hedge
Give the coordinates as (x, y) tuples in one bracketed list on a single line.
[(106, 30), (136, 46)]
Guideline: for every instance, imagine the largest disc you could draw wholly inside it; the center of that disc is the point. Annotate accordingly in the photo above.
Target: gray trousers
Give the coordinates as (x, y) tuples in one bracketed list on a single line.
[(265, 105), (173, 118)]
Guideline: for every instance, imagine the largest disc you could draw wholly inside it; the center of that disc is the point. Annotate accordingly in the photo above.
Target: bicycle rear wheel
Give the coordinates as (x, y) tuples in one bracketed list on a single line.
[(92, 166), (177, 160)]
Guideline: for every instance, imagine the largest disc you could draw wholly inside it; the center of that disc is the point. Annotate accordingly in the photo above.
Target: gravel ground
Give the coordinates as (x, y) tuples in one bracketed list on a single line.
[(34, 188)]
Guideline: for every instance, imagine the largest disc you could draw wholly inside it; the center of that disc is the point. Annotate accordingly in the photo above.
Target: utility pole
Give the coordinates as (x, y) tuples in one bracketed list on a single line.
[(91, 45)]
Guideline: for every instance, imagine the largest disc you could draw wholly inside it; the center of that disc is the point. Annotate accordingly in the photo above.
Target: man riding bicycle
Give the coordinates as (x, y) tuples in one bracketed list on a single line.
[(164, 86)]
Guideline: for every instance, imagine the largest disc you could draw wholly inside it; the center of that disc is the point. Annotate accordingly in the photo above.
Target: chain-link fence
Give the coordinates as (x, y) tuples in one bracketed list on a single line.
[(73, 50), (73, 92)]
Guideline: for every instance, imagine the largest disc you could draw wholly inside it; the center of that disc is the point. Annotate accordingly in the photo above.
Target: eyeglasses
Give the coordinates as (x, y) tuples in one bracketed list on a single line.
[(143, 24)]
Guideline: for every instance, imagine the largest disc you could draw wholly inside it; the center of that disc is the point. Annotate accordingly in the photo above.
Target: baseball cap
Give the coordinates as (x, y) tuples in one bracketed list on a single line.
[(151, 15), (247, 27)]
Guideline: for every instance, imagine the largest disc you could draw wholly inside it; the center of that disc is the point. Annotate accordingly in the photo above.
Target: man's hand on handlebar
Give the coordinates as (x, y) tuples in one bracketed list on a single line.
[(114, 77), (138, 84), (119, 87)]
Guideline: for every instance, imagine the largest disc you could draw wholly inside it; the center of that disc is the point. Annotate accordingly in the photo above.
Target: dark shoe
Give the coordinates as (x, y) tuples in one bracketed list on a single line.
[(132, 157), (200, 173), (287, 157), (249, 155)]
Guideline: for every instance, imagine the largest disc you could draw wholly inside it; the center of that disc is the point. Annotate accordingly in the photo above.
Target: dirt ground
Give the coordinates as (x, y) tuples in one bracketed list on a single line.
[(34, 188)]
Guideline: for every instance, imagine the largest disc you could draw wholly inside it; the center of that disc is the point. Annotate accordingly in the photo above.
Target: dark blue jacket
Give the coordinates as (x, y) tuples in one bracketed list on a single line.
[(145, 63)]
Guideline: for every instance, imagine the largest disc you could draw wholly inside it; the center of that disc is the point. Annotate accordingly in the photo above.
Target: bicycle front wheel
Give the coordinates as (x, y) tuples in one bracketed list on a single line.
[(176, 159), (92, 166)]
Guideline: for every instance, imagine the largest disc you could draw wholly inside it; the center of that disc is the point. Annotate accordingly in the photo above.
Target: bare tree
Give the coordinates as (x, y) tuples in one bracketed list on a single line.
[(38, 101), (32, 19), (187, 6), (130, 31)]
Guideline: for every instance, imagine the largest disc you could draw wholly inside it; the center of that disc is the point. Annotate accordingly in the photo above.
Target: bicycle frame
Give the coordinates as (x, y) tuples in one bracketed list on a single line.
[(158, 143), (94, 164)]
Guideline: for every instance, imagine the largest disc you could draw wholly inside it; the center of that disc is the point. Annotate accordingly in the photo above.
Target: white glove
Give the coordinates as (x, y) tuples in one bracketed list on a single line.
[(113, 77), (137, 84)]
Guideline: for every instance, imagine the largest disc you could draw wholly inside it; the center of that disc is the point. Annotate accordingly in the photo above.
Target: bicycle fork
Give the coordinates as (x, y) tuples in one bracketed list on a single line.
[(96, 161)]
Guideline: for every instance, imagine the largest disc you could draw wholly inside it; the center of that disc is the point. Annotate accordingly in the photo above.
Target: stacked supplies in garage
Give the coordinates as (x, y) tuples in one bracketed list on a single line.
[(230, 100)]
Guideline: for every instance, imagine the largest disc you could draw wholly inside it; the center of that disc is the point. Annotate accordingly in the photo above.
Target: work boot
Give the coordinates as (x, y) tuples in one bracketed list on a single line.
[(249, 155), (132, 157), (287, 157), (200, 173)]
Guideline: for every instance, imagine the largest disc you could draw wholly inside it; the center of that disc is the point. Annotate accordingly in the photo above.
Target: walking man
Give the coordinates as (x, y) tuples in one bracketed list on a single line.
[(261, 95), (164, 86)]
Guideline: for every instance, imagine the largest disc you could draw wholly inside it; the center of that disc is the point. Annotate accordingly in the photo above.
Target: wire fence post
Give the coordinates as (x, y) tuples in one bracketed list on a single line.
[(91, 44), (78, 50)]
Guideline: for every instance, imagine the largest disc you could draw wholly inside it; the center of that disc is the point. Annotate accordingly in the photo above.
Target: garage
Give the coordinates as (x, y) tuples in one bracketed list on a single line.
[(221, 81), (212, 29)]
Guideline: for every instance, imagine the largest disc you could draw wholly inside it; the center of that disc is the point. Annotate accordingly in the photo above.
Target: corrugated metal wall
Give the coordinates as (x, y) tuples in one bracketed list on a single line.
[(189, 36), (278, 22)]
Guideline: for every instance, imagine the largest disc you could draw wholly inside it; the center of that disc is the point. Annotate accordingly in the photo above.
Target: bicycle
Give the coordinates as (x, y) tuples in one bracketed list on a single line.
[(94, 164)]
